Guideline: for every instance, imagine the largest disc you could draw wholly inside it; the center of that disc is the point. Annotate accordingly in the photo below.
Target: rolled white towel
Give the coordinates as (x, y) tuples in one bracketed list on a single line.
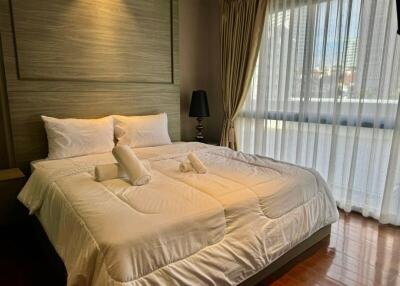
[(133, 167), (197, 164), (185, 167), (108, 172), (113, 171)]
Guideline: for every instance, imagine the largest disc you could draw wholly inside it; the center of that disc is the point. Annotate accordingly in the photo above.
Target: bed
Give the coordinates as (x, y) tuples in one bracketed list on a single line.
[(220, 228)]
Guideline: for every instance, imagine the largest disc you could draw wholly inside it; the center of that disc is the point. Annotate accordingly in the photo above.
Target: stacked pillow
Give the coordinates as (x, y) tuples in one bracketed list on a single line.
[(76, 137), (142, 131)]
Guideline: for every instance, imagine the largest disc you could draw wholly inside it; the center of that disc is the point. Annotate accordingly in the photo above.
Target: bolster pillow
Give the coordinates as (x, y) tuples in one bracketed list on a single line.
[(113, 171), (197, 164), (132, 166)]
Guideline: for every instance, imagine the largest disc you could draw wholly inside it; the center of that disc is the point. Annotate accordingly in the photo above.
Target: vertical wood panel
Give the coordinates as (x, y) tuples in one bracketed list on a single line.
[(5, 24), (175, 41), (6, 146)]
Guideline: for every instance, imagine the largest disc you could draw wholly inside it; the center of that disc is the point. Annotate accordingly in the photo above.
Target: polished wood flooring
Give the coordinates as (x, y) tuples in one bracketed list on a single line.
[(22, 262), (360, 251)]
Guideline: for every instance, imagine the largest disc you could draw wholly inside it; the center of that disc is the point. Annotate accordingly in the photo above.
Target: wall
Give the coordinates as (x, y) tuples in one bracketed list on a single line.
[(84, 59), (200, 64)]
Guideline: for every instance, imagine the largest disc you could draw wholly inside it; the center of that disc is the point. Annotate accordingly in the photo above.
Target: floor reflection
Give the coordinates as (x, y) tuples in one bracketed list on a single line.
[(360, 251)]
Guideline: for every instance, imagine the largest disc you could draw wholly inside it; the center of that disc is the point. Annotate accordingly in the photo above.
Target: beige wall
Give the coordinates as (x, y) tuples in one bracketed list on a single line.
[(44, 72), (199, 61), (200, 64)]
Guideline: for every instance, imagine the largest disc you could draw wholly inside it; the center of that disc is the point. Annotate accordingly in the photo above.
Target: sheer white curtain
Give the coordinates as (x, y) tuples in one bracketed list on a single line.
[(325, 94)]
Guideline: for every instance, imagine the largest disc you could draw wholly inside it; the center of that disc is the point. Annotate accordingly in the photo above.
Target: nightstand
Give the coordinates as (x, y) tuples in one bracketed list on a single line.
[(11, 210)]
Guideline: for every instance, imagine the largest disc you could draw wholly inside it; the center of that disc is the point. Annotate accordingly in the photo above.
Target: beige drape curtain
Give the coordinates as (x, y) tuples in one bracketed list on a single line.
[(241, 28), (325, 95)]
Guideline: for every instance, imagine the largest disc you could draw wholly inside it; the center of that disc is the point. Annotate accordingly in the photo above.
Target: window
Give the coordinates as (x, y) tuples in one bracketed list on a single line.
[(325, 94)]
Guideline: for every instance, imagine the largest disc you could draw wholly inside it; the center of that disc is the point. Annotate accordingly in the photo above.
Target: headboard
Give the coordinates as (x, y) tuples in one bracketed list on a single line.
[(86, 59)]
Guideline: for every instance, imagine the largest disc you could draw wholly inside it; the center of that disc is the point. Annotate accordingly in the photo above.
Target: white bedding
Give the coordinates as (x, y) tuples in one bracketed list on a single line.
[(218, 228)]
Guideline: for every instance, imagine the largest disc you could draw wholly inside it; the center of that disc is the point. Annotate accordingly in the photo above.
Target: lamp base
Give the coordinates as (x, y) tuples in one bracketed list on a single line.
[(199, 127)]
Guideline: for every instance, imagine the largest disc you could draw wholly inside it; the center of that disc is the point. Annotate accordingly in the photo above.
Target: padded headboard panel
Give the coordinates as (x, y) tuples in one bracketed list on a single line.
[(86, 59)]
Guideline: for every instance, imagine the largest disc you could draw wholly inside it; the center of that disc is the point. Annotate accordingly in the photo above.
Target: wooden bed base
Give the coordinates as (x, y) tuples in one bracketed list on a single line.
[(288, 259), (291, 257)]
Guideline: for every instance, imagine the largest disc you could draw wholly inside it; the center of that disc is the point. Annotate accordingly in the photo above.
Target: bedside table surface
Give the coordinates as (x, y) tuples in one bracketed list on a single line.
[(11, 174)]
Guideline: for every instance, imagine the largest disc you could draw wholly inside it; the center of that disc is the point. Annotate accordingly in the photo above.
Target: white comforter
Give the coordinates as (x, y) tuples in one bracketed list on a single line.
[(217, 228)]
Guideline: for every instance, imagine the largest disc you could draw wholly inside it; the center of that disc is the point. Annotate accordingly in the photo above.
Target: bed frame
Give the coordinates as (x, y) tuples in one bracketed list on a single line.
[(290, 258), (272, 271)]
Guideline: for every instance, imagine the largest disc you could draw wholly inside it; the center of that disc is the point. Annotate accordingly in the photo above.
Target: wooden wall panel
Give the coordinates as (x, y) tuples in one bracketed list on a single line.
[(6, 146), (175, 41), (29, 134), (102, 40), (63, 87), (5, 24)]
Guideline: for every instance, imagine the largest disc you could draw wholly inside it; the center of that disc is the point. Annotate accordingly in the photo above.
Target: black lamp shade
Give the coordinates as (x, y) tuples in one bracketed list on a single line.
[(199, 104), (398, 16)]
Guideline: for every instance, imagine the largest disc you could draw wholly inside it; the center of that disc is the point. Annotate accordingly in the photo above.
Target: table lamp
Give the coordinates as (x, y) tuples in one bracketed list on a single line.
[(199, 109)]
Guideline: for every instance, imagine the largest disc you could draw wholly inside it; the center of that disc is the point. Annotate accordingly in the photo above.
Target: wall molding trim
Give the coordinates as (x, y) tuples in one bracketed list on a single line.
[(174, 42)]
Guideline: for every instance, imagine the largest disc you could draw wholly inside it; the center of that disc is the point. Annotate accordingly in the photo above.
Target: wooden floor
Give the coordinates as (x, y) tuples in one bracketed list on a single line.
[(359, 252), (21, 261)]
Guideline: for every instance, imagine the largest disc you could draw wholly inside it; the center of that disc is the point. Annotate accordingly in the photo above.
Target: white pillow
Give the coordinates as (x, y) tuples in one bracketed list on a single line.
[(75, 137), (142, 131)]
